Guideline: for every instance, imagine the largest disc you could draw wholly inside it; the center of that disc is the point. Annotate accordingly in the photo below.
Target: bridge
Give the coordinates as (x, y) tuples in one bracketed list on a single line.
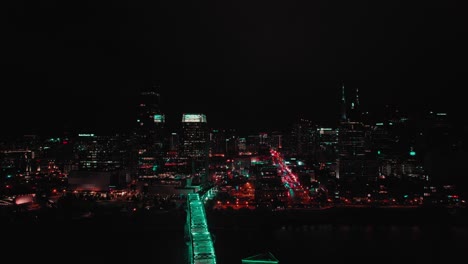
[(200, 246)]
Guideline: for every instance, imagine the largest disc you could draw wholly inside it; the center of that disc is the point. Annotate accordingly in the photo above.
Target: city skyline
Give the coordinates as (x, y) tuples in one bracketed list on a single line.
[(230, 131), (95, 115), (256, 66)]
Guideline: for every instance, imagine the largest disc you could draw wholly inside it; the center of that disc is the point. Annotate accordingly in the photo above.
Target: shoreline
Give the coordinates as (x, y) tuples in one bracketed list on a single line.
[(339, 215)]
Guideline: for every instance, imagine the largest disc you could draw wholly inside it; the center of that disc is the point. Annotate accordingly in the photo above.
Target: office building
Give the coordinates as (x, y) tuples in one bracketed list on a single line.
[(150, 134), (195, 144)]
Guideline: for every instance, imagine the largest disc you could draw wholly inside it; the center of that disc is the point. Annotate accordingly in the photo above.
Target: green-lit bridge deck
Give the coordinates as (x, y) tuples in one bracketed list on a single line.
[(202, 249)]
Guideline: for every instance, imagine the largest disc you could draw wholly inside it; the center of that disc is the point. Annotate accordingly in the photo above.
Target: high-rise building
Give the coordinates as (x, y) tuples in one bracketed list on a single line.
[(195, 143), (357, 162), (195, 135), (276, 140), (258, 144), (149, 133), (148, 111), (173, 144), (100, 162), (223, 142), (242, 144), (98, 153), (440, 148), (350, 106), (302, 139), (327, 141), (217, 142)]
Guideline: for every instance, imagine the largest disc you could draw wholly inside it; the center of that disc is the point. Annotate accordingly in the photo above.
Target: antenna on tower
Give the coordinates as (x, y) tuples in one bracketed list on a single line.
[(343, 103), (357, 96), (343, 100)]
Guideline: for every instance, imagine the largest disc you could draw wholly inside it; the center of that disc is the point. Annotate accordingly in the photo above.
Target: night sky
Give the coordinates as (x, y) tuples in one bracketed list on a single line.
[(246, 64)]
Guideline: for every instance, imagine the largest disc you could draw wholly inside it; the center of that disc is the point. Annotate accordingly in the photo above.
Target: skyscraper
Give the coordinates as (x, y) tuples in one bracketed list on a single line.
[(149, 117), (149, 133), (357, 163), (302, 138), (343, 105), (195, 143), (350, 105)]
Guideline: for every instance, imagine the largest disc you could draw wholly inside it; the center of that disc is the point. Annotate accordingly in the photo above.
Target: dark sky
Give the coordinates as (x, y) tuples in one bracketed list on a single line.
[(251, 64)]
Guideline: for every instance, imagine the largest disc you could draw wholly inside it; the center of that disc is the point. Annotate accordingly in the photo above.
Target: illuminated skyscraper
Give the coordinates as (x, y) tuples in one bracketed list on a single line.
[(350, 108), (343, 116), (357, 162), (149, 117), (352, 150), (149, 133), (327, 140), (195, 136), (195, 140)]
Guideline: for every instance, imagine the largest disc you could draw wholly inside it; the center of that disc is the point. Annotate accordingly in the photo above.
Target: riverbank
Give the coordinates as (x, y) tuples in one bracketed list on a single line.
[(338, 215)]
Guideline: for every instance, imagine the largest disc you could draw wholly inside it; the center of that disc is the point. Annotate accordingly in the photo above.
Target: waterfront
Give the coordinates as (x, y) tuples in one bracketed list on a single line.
[(115, 238), (370, 243), (331, 236), (353, 238)]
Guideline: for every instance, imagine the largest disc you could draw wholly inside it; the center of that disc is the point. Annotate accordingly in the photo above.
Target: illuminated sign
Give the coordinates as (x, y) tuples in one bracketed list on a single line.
[(325, 130), (159, 118), (194, 118), (86, 135)]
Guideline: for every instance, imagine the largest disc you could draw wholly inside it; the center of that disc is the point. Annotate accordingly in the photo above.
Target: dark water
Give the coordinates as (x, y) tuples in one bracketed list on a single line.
[(342, 237), (354, 242), (111, 239), (346, 243)]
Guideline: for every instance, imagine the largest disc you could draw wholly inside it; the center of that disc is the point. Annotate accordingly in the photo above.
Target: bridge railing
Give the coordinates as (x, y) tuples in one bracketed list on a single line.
[(201, 243)]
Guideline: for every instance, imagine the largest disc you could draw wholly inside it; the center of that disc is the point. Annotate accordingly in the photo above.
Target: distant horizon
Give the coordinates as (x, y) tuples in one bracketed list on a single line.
[(246, 66), (105, 121)]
